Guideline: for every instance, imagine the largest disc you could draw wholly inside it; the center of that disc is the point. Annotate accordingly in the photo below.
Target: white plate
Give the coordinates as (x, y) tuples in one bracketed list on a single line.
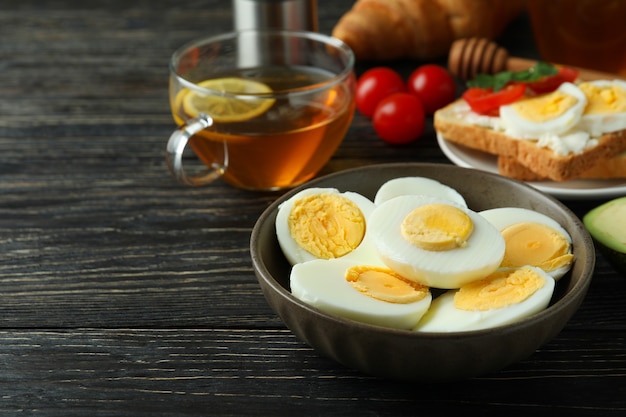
[(567, 190)]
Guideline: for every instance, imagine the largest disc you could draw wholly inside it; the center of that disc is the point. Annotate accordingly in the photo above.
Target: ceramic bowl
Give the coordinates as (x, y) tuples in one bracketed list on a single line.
[(413, 356)]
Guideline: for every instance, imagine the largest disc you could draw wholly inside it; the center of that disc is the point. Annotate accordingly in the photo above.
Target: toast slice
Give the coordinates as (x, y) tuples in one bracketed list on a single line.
[(614, 167), (453, 123)]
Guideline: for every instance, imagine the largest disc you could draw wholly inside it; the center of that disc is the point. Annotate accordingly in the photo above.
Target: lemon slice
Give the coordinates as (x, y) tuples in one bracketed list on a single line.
[(228, 109)]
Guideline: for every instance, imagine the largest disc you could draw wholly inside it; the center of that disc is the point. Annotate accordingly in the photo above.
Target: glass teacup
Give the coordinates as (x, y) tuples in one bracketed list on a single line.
[(264, 110)]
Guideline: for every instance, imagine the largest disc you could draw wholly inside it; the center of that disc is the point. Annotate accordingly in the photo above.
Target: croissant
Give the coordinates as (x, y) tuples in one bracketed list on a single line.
[(420, 29)]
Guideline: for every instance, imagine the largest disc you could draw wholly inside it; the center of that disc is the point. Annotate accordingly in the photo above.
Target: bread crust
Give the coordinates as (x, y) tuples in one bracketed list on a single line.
[(542, 161), (614, 167)]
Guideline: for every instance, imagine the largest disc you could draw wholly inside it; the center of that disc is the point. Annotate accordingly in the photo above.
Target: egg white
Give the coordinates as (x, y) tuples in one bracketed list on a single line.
[(322, 284), (417, 186), (443, 316), (444, 269), (599, 124), (295, 253), (520, 127), (504, 217)]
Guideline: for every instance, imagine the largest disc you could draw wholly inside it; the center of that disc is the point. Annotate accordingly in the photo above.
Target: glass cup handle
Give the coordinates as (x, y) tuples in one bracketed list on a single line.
[(176, 146)]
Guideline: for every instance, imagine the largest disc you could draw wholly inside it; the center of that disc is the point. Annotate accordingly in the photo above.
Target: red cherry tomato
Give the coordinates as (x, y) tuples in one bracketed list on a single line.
[(434, 85), (552, 82), (399, 118), (485, 101), (374, 85)]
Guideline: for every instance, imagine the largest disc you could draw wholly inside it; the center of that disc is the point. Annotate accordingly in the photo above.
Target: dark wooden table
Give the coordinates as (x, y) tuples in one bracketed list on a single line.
[(125, 293)]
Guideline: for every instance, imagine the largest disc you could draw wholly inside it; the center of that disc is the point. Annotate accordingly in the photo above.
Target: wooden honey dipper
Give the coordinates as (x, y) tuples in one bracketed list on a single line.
[(471, 56)]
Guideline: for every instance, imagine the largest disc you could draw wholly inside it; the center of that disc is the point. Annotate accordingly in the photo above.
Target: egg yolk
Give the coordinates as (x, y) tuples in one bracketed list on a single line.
[(535, 244), (604, 99), (437, 227), (385, 285), (326, 225), (545, 107), (500, 289)]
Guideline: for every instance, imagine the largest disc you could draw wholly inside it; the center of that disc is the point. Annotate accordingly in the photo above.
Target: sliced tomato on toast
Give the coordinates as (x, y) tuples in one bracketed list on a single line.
[(485, 95), (552, 82), (488, 102)]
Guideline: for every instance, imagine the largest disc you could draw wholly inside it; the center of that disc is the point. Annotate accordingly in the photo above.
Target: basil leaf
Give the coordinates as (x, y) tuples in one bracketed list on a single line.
[(543, 69), (501, 79), (481, 81)]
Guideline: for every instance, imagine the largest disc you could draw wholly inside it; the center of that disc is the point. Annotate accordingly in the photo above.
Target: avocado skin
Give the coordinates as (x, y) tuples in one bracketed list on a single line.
[(615, 257)]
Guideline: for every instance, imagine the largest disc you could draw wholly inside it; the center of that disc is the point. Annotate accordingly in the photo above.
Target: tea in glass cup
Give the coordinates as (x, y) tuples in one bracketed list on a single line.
[(264, 110)]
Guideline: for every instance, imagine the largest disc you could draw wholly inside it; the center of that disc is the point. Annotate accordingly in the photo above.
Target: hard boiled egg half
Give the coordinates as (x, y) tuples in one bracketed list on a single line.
[(323, 223), (554, 113), (532, 238), (417, 186), (364, 293), (503, 297), (434, 241), (606, 107)]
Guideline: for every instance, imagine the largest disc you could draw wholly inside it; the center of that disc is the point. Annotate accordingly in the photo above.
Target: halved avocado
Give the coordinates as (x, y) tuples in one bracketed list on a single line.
[(607, 225)]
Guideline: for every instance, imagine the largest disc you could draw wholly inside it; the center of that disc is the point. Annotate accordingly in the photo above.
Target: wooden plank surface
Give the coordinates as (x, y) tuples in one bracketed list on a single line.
[(124, 293), (253, 372)]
